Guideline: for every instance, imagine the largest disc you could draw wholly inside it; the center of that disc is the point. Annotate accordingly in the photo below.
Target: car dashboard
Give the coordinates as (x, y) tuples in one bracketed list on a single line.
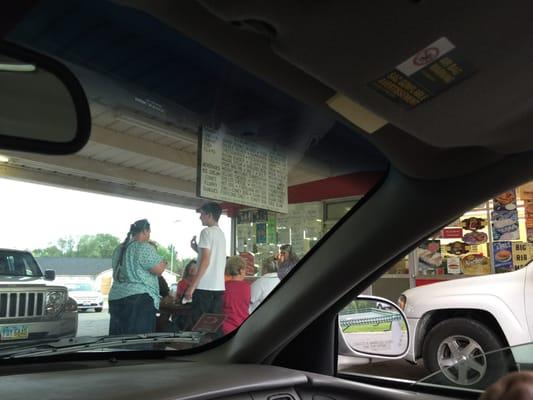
[(166, 379)]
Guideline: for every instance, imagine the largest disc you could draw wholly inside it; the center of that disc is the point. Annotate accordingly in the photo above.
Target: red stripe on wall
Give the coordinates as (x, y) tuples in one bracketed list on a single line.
[(355, 184)]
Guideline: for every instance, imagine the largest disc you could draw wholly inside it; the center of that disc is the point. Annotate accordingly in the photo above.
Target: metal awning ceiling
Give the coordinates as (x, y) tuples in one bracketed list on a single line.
[(128, 155)]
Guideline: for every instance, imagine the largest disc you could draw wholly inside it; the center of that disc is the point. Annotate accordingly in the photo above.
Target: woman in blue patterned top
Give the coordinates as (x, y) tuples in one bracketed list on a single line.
[(134, 296)]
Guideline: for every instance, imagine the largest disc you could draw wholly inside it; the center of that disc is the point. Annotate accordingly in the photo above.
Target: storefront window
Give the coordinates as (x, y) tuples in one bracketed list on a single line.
[(496, 237), (259, 233)]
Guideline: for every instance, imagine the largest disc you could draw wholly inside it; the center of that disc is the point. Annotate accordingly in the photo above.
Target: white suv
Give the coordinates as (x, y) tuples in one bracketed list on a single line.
[(31, 307), (461, 319)]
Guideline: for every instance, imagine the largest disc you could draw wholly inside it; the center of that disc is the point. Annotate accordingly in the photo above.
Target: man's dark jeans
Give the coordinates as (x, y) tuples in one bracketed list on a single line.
[(132, 315), (206, 302)]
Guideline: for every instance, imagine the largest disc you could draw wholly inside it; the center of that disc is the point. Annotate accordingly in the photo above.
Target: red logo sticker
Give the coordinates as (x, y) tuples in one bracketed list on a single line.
[(426, 56)]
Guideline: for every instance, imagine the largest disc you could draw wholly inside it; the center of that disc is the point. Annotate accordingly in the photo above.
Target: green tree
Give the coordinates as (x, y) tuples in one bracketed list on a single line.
[(100, 245), (51, 251), (67, 245)]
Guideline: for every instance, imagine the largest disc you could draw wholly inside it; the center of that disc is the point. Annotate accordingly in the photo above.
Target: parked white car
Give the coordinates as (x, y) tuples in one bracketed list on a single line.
[(86, 295), (461, 319)]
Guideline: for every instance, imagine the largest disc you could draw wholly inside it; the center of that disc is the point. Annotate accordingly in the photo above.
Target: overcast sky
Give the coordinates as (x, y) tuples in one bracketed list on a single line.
[(36, 216)]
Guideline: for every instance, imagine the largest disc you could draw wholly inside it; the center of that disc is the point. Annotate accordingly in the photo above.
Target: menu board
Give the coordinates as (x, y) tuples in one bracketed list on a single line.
[(239, 171)]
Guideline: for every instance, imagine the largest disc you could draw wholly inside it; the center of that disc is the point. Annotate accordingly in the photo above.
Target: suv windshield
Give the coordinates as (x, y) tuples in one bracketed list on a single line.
[(79, 287), (18, 264)]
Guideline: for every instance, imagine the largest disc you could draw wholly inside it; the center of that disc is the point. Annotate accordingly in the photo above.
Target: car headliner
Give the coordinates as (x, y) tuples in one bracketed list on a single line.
[(315, 49)]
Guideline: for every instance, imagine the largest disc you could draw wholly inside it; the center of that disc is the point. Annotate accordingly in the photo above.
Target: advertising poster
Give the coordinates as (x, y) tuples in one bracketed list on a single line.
[(528, 208), (453, 265), (452, 233), (271, 229), (521, 254), (430, 258), (261, 233), (502, 254), (505, 225), (458, 248), (473, 223), (505, 201), (475, 264)]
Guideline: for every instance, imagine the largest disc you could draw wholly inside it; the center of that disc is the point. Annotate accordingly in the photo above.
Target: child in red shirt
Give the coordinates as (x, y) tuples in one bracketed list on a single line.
[(236, 296)]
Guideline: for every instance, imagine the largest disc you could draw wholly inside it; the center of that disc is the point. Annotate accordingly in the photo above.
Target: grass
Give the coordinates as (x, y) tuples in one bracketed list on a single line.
[(382, 327)]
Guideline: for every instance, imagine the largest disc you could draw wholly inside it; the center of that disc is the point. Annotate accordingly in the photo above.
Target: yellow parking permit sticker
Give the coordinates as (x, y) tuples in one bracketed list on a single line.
[(424, 75)]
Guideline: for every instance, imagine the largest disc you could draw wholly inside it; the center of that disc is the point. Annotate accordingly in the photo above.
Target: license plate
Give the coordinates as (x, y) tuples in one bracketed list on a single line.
[(13, 332)]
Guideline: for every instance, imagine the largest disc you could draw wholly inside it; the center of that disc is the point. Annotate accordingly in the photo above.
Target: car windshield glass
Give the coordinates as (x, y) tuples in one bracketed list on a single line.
[(14, 263), (200, 190), (464, 291), (79, 287)]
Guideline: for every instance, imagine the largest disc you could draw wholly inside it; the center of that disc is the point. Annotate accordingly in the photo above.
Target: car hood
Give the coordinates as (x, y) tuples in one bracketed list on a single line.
[(24, 280), (486, 284)]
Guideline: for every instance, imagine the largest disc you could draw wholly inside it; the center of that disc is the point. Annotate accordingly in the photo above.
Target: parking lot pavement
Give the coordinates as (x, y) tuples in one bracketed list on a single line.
[(92, 323), (400, 369)]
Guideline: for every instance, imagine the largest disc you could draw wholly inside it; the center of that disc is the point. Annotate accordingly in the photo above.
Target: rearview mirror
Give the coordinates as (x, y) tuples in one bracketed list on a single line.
[(373, 327), (43, 108)]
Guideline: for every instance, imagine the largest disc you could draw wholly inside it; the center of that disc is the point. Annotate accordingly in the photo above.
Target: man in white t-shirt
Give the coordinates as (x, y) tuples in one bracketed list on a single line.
[(207, 287)]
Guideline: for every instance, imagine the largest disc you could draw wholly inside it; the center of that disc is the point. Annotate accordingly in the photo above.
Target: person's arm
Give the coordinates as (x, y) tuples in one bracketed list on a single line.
[(159, 268), (194, 245), (150, 261), (205, 255)]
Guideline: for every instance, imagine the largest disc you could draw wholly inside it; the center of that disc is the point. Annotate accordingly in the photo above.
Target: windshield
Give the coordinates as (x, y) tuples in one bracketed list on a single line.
[(200, 190), (18, 264), (79, 287)]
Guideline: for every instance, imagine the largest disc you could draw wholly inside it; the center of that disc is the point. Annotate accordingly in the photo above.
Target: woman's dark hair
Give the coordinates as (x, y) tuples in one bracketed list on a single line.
[(187, 269), (293, 258), (135, 228)]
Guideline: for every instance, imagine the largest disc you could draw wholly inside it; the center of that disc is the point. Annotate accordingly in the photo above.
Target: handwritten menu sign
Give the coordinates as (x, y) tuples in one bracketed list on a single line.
[(239, 171)]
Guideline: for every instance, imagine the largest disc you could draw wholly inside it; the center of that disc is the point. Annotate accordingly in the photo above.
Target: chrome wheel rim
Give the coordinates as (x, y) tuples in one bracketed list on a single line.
[(461, 360)]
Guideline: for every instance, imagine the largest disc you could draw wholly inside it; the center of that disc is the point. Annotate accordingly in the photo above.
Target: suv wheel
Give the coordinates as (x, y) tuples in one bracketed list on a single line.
[(457, 348)]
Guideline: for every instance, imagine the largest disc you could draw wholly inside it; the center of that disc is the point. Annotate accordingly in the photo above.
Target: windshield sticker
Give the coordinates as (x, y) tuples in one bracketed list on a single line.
[(424, 75)]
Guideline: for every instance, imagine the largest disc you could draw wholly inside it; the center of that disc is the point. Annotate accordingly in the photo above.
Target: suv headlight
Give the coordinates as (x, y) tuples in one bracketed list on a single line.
[(71, 305), (55, 300), (402, 301)]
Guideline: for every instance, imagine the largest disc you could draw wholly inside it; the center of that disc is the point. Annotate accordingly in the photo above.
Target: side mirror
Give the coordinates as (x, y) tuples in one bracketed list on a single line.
[(43, 108), (373, 327), (49, 274)]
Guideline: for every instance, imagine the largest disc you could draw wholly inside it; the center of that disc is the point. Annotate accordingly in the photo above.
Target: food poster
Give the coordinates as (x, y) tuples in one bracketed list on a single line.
[(473, 223), (261, 233), (453, 265), (475, 264), (502, 255), (505, 225), (430, 261), (505, 201)]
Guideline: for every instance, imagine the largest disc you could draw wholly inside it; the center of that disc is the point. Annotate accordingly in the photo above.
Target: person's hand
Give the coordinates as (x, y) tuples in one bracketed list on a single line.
[(515, 386), (194, 245), (188, 294)]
